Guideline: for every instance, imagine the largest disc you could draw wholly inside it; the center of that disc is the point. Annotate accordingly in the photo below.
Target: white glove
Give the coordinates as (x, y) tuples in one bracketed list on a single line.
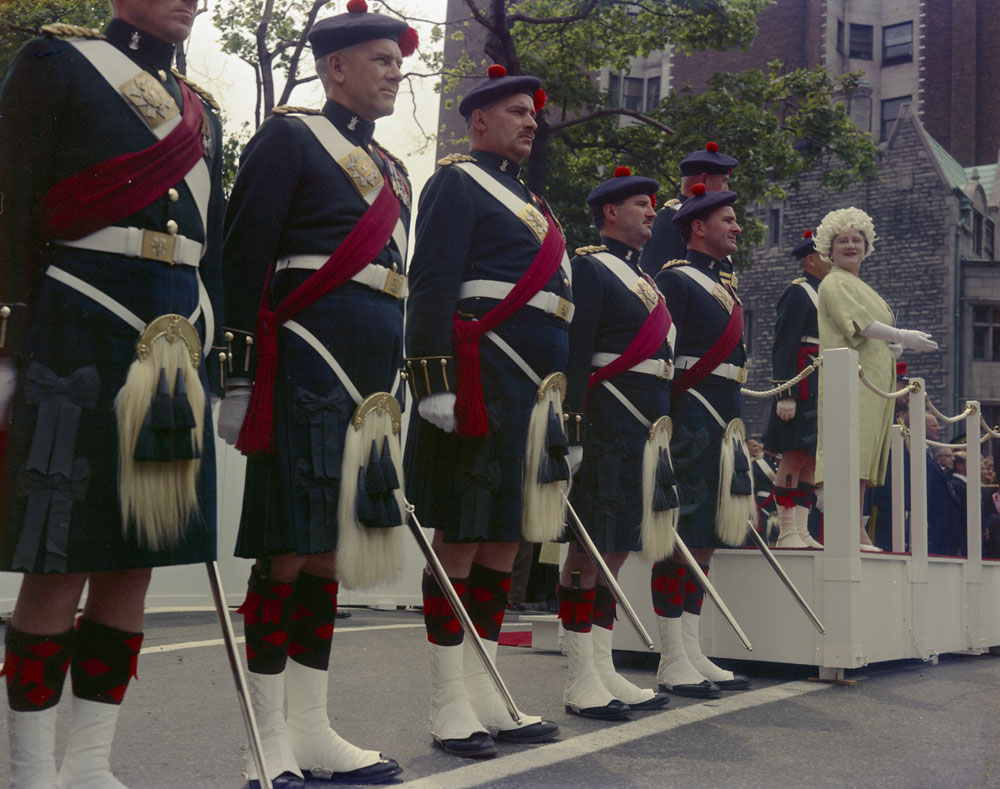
[(916, 340), (232, 411), (574, 458), (896, 348), (8, 384), (439, 410), (786, 409), (908, 338)]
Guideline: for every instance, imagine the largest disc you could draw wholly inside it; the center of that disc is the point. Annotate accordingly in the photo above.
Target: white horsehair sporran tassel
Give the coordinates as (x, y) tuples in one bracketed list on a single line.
[(543, 506), (734, 509), (368, 556), (158, 498), (658, 528)]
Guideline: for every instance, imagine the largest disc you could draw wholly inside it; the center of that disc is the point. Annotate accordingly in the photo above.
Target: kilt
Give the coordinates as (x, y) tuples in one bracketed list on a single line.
[(291, 495), (607, 492), (470, 488), (55, 521), (800, 432), (695, 449)]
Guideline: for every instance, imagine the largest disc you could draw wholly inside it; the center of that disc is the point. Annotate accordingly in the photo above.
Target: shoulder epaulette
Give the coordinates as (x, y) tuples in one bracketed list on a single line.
[(798, 280), (672, 263), (207, 97), (673, 202), (395, 159), (452, 158), (591, 249), (287, 109), (71, 31)]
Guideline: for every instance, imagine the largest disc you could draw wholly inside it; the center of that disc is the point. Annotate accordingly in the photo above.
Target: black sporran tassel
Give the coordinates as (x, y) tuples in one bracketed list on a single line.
[(374, 477), (363, 503), (388, 468), (740, 485)]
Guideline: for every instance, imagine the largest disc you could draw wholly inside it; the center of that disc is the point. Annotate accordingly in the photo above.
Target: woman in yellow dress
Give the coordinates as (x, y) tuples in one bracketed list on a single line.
[(852, 315)]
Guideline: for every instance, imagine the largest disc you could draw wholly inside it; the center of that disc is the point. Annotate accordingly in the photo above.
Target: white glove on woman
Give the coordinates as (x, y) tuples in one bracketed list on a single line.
[(908, 338), (233, 410), (8, 384), (439, 410), (896, 348), (785, 409)]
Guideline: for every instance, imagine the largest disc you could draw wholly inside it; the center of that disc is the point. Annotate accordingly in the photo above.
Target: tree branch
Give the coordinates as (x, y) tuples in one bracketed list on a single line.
[(554, 20), (557, 128)]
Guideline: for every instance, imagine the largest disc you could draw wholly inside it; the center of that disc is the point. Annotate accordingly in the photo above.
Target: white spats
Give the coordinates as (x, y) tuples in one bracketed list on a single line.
[(692, 646), (584, 689), (92, 730), (267, 692), (452, 716), (317, 747), (483, 695), (616, 684), (675, 667), (32, 748)]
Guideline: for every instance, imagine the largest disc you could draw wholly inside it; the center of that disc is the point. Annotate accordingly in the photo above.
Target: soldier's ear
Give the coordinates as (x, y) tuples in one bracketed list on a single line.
[(335, 63)]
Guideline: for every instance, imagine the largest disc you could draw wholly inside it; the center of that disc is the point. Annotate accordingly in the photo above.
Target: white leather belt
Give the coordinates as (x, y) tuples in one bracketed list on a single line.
[(660, 368), (809, 340), (134, 242), (725, 370), (544, 300), (378, 278)]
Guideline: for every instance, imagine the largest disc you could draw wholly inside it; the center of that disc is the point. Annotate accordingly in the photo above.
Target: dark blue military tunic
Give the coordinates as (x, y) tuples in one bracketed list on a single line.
[(666, 243), (607, 494), (292, 198), (58, 116), (700, 320), (471, 487), (796, 318)]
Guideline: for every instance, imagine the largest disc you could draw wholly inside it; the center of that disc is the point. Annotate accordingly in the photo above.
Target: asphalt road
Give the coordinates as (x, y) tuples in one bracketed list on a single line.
[(904, 724)]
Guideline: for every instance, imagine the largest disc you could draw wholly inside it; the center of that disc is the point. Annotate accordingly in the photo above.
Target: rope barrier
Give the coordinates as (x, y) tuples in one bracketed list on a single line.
[(887, 395), (787, 385), (948, 419)]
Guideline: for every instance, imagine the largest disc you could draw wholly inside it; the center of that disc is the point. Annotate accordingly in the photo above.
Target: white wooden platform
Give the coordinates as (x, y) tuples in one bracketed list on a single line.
[(876, 607)]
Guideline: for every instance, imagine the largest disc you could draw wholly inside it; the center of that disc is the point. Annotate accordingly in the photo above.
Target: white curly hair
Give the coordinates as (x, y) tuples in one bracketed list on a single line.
[(836, 222)]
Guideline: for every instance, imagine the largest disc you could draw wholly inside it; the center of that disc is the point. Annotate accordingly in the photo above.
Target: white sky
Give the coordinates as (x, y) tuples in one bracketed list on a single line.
[(231, 81)]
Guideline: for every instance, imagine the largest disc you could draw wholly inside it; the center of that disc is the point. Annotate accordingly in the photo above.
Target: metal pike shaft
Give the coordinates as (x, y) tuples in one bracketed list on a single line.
[(710, 591), (460, 613), (242, 692), (759, 541), (605, 572)]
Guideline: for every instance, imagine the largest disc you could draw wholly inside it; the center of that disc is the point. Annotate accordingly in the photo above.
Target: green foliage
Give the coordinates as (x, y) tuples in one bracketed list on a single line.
[(232, 147), (22, 20)]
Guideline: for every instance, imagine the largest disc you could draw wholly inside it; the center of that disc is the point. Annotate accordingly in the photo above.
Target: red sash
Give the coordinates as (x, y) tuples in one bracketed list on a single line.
[(715, 355), (470, 407), (107, 192), (802, 361), (363, 243), (646, 342)]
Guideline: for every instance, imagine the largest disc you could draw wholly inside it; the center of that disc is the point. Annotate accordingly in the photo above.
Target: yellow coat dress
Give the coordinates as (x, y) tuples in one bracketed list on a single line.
[(846, 306)]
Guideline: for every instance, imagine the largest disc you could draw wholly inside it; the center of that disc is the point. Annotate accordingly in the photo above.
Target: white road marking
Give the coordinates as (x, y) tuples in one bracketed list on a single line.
[(218, 642), (524, 761)]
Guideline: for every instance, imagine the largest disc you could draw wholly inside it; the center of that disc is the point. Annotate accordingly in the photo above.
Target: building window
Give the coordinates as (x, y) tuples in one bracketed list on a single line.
[(985, 333), (615, 89), (632, 99), (897, 43), (977, 233), (989, 242), (652, 93), (861, 42), (840, 37), (890, 111), (774, 227)]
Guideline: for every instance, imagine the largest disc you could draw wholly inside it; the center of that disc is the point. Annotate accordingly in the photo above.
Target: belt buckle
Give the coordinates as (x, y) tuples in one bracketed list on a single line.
[(157, 246), (741, 375), (395, 283), (563, 309), (667, 370)]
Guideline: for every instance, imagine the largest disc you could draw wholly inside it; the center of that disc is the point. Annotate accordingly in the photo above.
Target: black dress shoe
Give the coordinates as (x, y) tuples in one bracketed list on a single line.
[(703, 690), (383, 770), (543, 731), (659, 701), (738, 682), (283, 781), (476, 746), (614, 710)]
